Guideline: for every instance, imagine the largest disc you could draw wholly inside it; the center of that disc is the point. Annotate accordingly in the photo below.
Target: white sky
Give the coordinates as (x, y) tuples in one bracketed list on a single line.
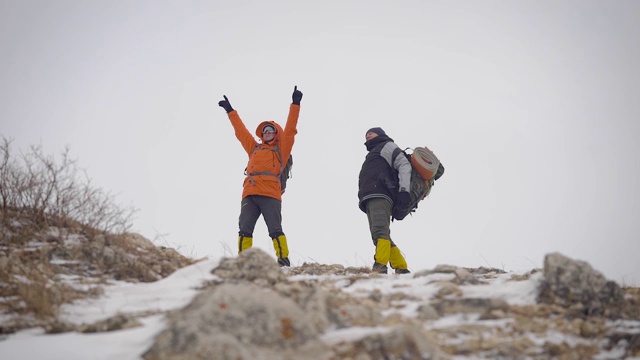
[(532, 106)]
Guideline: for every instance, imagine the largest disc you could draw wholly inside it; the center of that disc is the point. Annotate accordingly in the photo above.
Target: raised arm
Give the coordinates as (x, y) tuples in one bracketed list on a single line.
[(290, 128), (241, 131)]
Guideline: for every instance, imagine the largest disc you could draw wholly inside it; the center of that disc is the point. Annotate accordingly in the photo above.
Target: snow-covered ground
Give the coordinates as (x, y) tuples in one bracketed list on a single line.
[(177, 290), (173, 292)]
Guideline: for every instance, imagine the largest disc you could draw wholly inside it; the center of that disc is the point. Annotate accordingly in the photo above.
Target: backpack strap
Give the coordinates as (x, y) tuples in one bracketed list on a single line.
[(255, 173)]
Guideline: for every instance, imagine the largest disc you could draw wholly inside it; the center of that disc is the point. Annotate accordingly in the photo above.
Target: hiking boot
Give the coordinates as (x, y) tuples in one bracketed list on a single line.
[(403, 271), (379, 268), (284, 262)]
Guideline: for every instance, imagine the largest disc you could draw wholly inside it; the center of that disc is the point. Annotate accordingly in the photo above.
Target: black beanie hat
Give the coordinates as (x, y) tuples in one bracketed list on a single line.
[(376, 130)]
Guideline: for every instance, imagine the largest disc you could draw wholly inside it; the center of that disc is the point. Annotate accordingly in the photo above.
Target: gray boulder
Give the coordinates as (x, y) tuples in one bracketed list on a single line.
[(576, 285)]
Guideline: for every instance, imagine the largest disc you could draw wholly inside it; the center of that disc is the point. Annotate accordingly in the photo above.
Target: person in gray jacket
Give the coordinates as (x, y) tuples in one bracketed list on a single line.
[(384, 179)]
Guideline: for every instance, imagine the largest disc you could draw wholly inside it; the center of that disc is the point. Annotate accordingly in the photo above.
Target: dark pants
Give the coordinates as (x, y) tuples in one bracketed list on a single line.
[(379, 216), (250, 209)]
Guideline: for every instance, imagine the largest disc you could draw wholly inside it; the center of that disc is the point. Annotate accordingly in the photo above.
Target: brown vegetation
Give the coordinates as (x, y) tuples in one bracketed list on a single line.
[(61, 238)]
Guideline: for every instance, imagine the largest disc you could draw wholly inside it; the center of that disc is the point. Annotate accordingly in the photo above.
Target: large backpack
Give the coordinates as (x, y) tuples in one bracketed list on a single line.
[(426, 168), (285, 171)]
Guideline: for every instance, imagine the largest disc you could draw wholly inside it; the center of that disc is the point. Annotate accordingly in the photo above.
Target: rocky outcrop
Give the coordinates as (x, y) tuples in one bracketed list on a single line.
[(42, 269), (252, 309), (575, 285), (255, 310)]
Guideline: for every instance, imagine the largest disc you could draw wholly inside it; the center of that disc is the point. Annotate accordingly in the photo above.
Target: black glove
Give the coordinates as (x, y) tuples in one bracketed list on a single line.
[(297, 95), (225, 104), (403, 200)]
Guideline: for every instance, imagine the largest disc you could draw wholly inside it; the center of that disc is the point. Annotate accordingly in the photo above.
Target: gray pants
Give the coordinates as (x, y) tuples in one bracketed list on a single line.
[(379, 216), (250, 209)]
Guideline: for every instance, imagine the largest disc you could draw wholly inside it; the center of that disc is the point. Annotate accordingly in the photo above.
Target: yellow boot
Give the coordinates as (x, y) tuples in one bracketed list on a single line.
[(383, 251), (244, 243), (282, 250), (397, 261)]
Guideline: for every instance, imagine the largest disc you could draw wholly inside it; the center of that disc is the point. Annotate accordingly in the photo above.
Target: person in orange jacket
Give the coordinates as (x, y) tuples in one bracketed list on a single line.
[(262, 194)]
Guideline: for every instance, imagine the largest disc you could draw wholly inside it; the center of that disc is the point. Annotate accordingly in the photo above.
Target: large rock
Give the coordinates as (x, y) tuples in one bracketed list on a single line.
[(253, 313), (245, 321), (252, 265), (576, 285)]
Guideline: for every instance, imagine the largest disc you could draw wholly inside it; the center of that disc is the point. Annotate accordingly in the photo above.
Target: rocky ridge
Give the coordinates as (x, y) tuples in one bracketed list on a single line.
[(254, 310), (42, 269)]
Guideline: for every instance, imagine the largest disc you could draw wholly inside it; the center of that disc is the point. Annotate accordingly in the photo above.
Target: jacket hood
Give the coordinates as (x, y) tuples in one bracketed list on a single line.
[(269, 122)]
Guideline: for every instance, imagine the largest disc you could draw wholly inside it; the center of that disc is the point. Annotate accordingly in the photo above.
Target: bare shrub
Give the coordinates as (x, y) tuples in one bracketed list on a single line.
[(61, 238), (39, 193), (48, 190)]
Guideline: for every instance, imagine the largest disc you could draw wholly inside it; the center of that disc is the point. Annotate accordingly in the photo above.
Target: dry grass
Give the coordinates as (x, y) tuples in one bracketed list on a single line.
[(28, 286), (42, 269), (61, 238)]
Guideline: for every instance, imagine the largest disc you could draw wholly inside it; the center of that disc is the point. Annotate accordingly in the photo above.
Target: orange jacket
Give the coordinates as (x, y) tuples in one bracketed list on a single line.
[(262, 160)]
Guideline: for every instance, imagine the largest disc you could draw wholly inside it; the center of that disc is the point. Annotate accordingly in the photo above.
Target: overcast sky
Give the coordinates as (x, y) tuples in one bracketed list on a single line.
[(532, 106)]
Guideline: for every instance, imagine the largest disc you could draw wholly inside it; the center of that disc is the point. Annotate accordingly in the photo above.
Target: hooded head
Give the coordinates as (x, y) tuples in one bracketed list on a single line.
[(376, 130), (268, 126), (373, 140)]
